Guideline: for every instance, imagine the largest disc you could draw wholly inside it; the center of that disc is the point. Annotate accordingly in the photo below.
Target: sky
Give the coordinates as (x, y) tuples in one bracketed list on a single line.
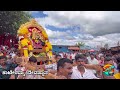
[(94, 28)]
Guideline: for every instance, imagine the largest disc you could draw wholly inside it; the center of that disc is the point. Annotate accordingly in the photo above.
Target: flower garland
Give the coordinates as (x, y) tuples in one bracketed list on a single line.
[(26, 43)]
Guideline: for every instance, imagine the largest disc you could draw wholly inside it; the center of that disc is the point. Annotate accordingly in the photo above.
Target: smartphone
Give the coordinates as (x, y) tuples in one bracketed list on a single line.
[(38, 63)]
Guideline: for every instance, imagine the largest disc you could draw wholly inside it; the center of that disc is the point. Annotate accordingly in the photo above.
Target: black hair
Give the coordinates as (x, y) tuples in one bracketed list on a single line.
[(62, 61), (73, 60), (33, 59), (79, 56), (3, 57), (58, 55), (108, 55), (108, 58), (118, 60)]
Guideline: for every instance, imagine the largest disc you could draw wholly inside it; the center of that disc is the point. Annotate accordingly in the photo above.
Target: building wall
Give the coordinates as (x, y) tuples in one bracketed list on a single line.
[(57, 48)]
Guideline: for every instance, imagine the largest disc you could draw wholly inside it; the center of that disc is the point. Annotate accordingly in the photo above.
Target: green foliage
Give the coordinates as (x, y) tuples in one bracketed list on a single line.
[(80, 44), (10, 21)]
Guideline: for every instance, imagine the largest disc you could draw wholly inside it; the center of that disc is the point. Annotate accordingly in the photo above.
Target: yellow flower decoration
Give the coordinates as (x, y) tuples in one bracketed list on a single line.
[(28, 35)]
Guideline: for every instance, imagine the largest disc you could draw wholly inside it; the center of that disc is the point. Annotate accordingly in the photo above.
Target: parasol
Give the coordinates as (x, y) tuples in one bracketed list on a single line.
[(91, 50)]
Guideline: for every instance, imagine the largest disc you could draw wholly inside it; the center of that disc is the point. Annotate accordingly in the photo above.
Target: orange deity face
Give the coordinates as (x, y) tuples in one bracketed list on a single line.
[(36, 34)]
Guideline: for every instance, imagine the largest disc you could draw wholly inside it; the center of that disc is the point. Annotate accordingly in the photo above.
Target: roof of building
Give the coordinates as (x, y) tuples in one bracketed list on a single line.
[(66, 45), (74, 48)]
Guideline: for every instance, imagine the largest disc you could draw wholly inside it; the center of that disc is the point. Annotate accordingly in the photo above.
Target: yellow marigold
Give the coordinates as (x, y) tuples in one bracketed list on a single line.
[(49, 45), (44, 34), (24, 42), (23, 31), (46, 49)]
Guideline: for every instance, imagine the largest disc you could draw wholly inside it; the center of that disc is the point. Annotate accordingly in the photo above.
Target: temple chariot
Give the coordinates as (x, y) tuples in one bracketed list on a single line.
[(34, 41)]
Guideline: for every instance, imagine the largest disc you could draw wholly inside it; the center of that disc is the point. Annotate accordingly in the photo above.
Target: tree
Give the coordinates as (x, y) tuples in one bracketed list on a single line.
[(10, 21), (80, 44)]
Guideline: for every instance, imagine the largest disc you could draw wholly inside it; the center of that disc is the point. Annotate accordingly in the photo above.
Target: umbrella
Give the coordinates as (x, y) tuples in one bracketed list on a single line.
[(91, 50)]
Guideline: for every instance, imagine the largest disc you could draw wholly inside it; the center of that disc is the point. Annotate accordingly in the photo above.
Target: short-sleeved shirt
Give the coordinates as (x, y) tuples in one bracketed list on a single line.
[(87, 75)]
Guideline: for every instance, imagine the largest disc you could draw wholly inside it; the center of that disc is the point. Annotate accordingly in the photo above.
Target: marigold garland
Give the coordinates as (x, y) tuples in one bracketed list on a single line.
[(26, 44)]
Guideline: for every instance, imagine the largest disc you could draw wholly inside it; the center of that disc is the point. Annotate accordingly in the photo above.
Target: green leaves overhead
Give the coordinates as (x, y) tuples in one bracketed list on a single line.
[(10, 21)]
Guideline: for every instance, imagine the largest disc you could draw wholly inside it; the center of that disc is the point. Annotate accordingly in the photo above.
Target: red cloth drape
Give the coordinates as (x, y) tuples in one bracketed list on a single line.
[(5, 40)]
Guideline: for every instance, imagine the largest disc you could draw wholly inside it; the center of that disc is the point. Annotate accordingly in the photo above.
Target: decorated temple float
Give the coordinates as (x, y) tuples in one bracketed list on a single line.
[(33, 41)]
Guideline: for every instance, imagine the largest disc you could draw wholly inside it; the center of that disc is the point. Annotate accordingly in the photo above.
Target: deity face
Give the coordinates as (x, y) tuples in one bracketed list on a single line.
[(37, 35)]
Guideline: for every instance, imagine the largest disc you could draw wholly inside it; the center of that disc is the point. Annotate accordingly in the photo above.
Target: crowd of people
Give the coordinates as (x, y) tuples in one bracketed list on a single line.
[(60, 66)]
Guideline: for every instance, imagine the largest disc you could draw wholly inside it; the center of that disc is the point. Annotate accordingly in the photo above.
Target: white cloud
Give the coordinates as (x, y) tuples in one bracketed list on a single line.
[(96, 27), (98, 41), (110, 39), (62, 42), (93, 22), (55, 34)]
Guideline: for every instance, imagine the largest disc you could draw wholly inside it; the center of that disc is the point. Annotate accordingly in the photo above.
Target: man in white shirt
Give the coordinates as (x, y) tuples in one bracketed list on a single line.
[(88, 74), (92, 59), (79, 71), (73, 56)]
